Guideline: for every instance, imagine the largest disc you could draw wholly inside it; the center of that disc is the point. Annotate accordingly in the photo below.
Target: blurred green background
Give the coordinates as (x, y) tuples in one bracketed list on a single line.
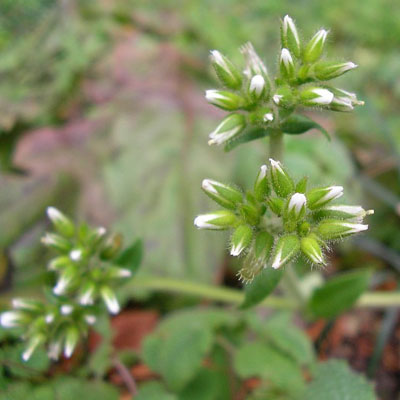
[(102, 114)]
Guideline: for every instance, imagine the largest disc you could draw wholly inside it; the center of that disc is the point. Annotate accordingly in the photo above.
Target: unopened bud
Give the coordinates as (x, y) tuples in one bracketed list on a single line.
[(315, 46), (227, 73), (225, 195), (283, 97), (254, 65), (318, 197), (118, 273), (110, 299), (61, 223), (326, 70), (312, 250), (296, 207), (262, 247), (301, 186), (66, 280), (281, 181), (335, 229), (71, 340), (286, 64), (316, 97), (225, 100), (59, 263), (257, 87), (290, 37), (28, 305), (341, 104), (66, 309), (230, 127), (87, 293), (75, 255), (57, 242), (90, 319), (261, 185), (356, 213), (285, 250), (218, 220), (33, 344), (241, 239), (14, 319)]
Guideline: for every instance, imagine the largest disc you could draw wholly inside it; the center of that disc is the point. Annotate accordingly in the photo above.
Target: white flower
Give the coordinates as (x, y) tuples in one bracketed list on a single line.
[(288, 24), (297, 202), (277, 98), (268, 117), (257, 85), (286, 58)]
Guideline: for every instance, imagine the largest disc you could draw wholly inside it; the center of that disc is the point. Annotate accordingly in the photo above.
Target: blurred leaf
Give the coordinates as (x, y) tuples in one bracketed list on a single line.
[(248, 135), (297, 124), (338, 294), (154, 391), (260, 360), (261, 286), (17, 391), (334, 380), (131, 257)]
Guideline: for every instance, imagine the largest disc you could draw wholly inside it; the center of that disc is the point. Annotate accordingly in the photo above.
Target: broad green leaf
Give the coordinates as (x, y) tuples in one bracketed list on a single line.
[(261, 286), (154, 391), (248, 135), (296, 124), (334, 380), (177, 354), (260, 360), (131, 257), (338, 294)]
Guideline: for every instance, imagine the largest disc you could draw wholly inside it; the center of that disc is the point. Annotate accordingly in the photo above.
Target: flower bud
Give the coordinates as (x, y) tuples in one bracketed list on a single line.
[(257, 87), (343, 94), (225, 195), (33, 344), (90, 319), (66, 280), (218, 220), (225, 100), (241, 239), (66, 309), (326, 70), (276, 205), (285, 250), (28, 305), (230, 127), (355, 213), (335, 229), (315, 46), (61, 223), (76, 255), (254, 65), (87, 293), (57, 242), (251, 213), (227, 73), (59, 263), (316, 97), (318, 197), (283, 97), (290, 37), (281, 181), (54, 349), (341, 104), (262, 247), (296, 207), (14, 319), (71, 340), (118, 273), (261, 185), (286, 64), (110, 299), (312, 250), (111, 247)]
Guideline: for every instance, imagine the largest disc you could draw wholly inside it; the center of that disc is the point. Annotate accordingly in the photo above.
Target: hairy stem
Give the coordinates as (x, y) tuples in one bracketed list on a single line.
[(233, 296)]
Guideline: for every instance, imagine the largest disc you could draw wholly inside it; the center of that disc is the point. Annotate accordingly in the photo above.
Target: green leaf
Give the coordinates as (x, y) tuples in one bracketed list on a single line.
[(261, 360), (261, 286), (17, 391), (296, 124), (248, 135), (131, 257), (334, 380), (338, 294), (154, 391), (177, 354)]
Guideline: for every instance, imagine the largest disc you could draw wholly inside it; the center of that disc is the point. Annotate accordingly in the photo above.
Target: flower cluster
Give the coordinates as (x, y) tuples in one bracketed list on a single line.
[(280, 219), (256, 100), (87, 271)]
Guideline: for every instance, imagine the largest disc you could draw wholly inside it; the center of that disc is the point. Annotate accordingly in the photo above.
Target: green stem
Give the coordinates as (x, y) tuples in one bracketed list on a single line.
[(276, 145), (235, 297)]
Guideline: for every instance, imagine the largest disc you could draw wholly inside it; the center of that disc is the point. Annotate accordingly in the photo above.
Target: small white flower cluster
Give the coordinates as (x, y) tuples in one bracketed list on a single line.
[(255, 100), (308, 220), (87, 270)]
